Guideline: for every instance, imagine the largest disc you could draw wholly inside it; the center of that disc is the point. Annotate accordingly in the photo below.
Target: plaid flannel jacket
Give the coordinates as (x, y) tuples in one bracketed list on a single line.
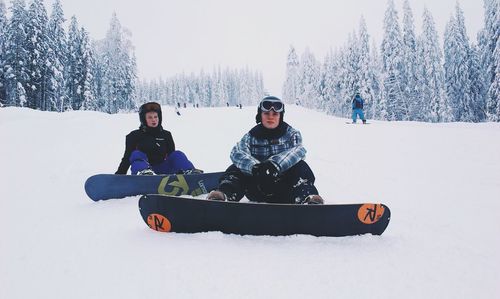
[(284, 152)]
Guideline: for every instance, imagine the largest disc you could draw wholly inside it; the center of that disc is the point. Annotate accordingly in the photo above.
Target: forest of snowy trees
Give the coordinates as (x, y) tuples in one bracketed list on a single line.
[(50, 63), (45, 66), (221, 87), (411, 77)]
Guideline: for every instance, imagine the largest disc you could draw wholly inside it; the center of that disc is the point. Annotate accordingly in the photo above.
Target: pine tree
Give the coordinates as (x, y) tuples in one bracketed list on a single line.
[(456, 67), (430, 74), (3, 32), (80, 69), (494, 91), (99, 71), (87, 93), (397, 107), (409, 76), (309, 80), (56, 59), (375, 66), (194, 89), (365, 70), (245, 88), (117, 72), (16, 56), (345, 88), (477, 86), (291, 85), (73, 68), (219, 92), (257, 88), (205, 90), (488, 44), (352, 78), (130, 73), (329, 85), (38, 48), (160, 94)]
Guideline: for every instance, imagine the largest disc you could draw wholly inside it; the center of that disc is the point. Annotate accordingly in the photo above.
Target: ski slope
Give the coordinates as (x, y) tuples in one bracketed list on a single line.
[(441, 181)]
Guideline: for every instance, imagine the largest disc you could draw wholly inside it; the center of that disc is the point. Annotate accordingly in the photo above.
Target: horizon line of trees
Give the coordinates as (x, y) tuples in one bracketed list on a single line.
[(219, 88), (411, 77)]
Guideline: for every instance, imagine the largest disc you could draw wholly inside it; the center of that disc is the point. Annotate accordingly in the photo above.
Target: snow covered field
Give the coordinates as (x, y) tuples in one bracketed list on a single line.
[(441, 181)]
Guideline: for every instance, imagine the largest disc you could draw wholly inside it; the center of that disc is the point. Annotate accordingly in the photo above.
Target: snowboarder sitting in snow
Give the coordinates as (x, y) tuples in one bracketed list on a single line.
[(357, 108), (151, 149), (268, 163)]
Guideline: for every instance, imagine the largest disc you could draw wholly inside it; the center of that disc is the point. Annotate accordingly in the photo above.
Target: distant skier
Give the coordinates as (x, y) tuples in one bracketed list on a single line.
[(357, 108), (151, 149), (268, 162), (177, 111)]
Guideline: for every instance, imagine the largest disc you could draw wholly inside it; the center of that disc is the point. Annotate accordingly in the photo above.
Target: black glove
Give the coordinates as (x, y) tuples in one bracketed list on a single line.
[(266, 175)]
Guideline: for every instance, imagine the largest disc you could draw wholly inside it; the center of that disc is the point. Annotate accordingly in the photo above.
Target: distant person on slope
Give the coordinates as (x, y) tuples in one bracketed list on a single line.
[(150, 149), (357, 108), (268, 163)]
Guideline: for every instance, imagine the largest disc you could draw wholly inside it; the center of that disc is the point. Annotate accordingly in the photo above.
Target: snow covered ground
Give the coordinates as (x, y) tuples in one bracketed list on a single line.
[(441, 181)]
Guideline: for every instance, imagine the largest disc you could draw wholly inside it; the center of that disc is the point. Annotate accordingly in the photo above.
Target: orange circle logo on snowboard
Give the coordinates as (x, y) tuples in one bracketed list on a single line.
[(370, 213), (159, 223)]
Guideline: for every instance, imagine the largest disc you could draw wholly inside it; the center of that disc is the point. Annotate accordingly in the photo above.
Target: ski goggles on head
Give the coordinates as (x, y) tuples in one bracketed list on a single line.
[(267, 105)]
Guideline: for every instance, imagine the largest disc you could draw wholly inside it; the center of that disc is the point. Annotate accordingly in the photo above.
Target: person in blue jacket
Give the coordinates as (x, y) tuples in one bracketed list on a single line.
[(357, 108), (268, 163), (150, 149)]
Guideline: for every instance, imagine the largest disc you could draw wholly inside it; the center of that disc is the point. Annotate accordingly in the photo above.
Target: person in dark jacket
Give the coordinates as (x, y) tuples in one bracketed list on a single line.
[(268, 163), (151, 149), (357, 108)]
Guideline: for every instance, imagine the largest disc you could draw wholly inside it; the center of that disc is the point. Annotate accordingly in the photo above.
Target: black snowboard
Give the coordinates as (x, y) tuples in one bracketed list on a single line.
[(187, 215), (107, 186)]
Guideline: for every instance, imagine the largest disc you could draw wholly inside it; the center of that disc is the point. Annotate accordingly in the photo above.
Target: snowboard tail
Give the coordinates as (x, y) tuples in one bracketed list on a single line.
[(186, 215), (107, 186)]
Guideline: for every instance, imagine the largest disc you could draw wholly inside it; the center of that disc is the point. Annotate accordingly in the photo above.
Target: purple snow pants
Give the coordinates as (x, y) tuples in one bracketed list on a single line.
[(174, 163)]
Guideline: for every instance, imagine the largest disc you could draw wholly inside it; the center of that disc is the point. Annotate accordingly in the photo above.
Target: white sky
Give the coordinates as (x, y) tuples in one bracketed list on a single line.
[(175, 36)]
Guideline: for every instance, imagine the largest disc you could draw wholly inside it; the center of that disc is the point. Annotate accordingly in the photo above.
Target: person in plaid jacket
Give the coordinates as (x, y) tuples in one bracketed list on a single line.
[(268, 163)]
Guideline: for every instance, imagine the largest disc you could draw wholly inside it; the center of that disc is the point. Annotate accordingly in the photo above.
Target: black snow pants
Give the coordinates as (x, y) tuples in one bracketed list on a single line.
[(292, 186)]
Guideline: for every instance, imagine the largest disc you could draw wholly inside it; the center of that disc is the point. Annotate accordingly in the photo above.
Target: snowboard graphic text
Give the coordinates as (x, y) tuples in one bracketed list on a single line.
[(370, 213), (159, 223), (177, 185)]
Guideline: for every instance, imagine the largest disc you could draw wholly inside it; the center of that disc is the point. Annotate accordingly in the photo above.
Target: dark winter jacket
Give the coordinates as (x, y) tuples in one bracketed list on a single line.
[(282, 145), (357, 102), (156, 143)]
